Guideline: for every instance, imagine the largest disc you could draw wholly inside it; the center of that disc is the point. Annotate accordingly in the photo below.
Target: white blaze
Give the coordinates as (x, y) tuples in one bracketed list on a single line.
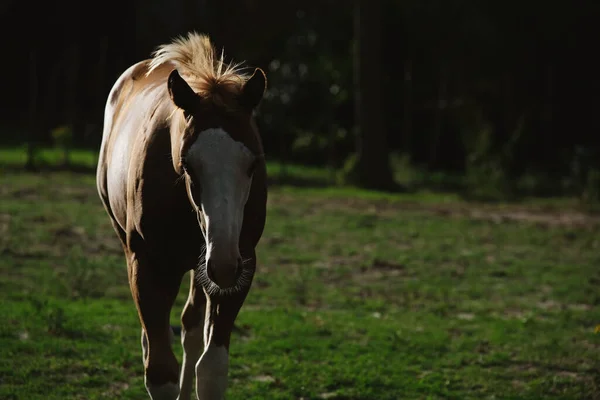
[(220, 164)]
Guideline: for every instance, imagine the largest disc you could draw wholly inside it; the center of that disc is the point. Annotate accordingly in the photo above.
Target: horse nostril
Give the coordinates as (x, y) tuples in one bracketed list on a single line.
[(223, 274), (240, 267), (209, 270)]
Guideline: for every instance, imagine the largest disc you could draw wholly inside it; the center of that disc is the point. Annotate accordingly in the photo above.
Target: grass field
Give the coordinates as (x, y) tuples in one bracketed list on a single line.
[(357, 296)]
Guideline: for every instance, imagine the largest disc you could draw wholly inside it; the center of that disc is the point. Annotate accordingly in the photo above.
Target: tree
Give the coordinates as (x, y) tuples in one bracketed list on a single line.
[(372, 168)]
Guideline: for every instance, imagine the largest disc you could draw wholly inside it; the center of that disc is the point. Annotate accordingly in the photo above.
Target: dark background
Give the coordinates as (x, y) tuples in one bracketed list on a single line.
[(470, 93)]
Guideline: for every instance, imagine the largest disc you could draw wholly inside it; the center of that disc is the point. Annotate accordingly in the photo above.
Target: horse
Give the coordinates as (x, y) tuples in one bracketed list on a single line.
[(182, 177)]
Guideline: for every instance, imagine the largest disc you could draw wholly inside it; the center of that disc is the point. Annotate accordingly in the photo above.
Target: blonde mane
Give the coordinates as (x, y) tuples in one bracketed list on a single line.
[(209, 75)]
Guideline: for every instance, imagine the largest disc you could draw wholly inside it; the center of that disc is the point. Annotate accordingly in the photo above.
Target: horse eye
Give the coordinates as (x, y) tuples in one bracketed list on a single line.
[(188, 170), (184, 165), (253, 167)]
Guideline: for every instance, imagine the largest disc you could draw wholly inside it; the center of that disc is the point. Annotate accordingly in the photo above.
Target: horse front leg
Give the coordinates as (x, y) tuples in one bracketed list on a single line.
[(192, 336), (213, 366), (154, 294)]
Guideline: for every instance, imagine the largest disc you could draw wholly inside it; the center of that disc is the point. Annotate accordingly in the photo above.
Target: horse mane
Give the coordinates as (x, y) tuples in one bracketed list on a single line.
[(208, 74)]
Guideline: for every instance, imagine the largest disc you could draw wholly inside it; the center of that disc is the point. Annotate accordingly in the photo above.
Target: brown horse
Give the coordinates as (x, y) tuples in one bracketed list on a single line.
[(182, 176)]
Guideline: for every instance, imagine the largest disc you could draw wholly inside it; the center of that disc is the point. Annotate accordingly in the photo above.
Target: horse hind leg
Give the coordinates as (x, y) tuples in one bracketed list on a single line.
[(154, 295), (192, 336)]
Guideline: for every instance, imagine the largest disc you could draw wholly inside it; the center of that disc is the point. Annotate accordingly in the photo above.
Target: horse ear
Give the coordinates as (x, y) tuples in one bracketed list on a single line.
[(180, 92), (254, 89)]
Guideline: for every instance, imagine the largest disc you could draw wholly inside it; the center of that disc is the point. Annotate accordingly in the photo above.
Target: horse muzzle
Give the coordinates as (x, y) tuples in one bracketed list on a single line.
[(224, 274)]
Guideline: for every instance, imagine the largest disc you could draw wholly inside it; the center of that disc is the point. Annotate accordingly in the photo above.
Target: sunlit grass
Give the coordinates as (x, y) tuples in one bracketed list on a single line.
[(357, 295), (423, 187)]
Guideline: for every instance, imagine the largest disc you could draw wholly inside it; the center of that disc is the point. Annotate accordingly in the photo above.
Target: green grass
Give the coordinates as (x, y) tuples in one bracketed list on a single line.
[(358, 295), (15, 157), (423, 185)]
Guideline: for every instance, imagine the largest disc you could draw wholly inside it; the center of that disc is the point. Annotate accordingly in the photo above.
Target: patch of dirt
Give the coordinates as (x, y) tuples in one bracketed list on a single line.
[(384, 265), (548, 305), (380, 269), (579, 307), (65, 236), (70, 232), (274, 240), (589, 345), (37, 254), (466, 316), (570, 375), (115, 389), (514, 314), (22, 194), (243, 331), (81, 194), (109, 245), (4, 223), (570, 218), (328, 395), (532, 369), (551, 305), (492, 213), (110, 327), (517, 384), (541, 218), (263, 378)]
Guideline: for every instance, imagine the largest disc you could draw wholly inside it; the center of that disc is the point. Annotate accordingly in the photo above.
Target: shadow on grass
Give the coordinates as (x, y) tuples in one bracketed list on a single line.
[(453, 186), (275, 180), (298, 181), (76, 169)]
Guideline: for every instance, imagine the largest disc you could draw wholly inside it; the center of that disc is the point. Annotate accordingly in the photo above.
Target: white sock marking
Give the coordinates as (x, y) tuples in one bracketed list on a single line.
[(192, 341), (211, 373)]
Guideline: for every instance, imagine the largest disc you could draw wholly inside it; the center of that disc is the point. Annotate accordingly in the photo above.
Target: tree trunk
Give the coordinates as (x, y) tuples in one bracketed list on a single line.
[(548, 103), (332, 155), (407, 110), (100, 95), (33, 114), (48, 101), (372, 169), (73, 57), (439, 110)]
